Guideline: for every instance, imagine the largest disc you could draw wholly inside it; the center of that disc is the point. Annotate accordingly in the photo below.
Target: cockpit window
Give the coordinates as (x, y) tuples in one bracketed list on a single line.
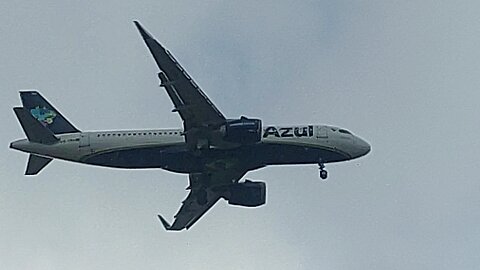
[(344, 131)]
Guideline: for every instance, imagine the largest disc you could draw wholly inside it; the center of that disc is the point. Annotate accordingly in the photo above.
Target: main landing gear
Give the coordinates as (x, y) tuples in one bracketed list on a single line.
[(323, 172)]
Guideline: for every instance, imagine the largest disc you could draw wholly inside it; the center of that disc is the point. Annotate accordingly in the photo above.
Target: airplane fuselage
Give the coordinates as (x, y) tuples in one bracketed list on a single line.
[(167, 149)]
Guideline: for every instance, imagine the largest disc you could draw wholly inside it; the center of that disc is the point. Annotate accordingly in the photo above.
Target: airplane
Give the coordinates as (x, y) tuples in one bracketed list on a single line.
[(215, 151)]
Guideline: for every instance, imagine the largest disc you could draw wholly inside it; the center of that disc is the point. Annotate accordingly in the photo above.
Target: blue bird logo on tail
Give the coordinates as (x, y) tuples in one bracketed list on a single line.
[(44, 115)]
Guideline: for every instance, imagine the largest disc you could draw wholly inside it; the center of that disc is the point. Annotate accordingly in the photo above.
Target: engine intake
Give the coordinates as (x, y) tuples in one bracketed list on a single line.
[(249, 194), (243, 130)]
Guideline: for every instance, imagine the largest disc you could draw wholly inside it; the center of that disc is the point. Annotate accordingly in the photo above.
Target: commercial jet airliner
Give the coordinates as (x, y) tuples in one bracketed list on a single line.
[(215, 151)]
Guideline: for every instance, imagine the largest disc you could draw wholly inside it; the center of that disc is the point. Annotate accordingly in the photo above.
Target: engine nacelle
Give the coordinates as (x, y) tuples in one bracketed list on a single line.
[(243, 130), (249, 194)]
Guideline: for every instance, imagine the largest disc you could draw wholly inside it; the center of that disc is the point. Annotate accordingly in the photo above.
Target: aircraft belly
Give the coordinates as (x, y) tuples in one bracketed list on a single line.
[(169, 158), (179, 159), (276, 154)]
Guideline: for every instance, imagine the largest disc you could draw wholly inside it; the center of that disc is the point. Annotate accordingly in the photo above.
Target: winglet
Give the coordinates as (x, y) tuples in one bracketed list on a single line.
[(143, 32), (165, 224)]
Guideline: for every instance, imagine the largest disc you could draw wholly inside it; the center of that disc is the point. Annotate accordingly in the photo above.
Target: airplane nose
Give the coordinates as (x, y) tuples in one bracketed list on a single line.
[(361, 147)]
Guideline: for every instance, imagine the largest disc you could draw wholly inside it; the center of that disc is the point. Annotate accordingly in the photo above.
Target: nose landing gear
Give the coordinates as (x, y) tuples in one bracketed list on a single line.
[(323, 172)]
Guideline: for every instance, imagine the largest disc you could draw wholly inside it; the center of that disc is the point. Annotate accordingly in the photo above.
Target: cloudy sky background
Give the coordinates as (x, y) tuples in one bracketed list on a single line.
[(404, 75)]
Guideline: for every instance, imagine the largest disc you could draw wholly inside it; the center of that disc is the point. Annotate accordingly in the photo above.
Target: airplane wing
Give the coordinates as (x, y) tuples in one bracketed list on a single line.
[(194, 107), (192, 210), (205, 190)]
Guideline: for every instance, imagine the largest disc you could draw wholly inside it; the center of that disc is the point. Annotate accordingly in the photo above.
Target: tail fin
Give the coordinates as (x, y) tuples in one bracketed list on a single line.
[(34, 130), (45, 113), (36, 164)]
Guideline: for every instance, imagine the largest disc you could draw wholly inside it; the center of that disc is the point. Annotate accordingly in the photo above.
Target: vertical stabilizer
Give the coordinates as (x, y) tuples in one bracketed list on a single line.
[(36, 164), (34, 130), (45, 113)]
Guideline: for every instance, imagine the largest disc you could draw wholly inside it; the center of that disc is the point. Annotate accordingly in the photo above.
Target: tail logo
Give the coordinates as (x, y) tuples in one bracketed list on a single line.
[(44, 115)]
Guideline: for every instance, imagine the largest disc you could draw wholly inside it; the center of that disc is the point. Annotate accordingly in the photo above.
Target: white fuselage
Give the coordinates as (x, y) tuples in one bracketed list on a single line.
[(279, 144)]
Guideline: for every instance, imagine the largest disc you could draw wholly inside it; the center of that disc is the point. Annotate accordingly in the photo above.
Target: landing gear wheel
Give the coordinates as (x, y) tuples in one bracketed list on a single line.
[(323, 174)]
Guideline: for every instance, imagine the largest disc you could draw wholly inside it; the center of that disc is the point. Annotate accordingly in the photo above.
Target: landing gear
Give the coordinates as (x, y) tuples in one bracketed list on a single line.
[(323, 172)]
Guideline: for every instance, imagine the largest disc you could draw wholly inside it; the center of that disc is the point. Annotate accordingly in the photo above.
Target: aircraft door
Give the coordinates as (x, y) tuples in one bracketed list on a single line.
[(84, 140), (322, 132)]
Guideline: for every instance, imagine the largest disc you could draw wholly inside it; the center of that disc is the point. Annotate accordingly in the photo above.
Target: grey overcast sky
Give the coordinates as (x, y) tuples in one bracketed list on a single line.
[(404, 75)]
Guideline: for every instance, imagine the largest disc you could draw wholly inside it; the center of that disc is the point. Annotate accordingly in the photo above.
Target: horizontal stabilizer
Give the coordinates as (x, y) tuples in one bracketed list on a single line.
[(36, 164), (34, 130)]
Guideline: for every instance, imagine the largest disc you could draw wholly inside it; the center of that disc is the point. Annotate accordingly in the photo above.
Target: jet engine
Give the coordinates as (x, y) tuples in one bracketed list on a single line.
[(243, 130), (249, 194)]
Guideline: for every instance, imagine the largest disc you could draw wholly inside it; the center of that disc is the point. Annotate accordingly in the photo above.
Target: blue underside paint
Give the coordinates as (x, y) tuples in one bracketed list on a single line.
[(178, 159)]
